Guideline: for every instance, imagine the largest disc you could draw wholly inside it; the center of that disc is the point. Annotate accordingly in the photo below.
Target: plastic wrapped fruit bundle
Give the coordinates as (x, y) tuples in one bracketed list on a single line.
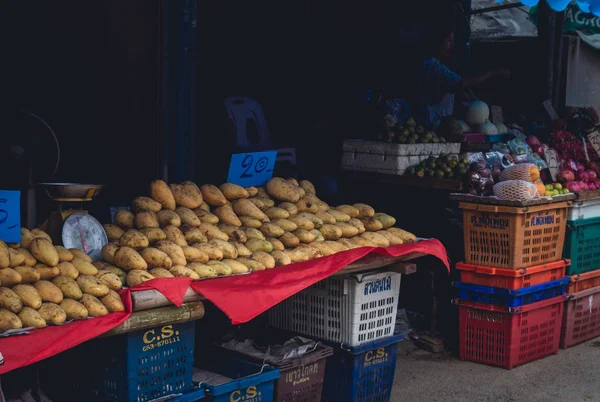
[(515, 190)]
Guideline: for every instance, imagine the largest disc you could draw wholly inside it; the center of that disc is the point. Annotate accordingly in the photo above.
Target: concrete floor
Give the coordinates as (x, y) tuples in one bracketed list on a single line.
[(572, 375)]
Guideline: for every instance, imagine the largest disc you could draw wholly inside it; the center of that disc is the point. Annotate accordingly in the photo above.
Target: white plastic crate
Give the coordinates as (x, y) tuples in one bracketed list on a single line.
[(352, 310), (584, 210)]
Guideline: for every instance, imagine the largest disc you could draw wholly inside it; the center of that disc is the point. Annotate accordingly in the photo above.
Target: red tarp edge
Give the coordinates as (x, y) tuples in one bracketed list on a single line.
[(244, 297)]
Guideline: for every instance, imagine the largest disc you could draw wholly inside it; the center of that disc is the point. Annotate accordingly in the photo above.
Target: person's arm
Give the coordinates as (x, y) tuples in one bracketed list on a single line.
[(471, 82)]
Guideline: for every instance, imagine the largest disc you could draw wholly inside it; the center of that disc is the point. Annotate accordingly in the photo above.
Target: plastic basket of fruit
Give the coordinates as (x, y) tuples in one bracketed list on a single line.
[(511, 297), (581, 320), (582, 245), (513, 237), (444, 166), (510, 278), (506, 337)]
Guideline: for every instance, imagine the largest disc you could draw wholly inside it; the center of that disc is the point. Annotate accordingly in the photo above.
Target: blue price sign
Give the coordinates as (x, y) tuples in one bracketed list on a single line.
[(251, 169), (10, 216)]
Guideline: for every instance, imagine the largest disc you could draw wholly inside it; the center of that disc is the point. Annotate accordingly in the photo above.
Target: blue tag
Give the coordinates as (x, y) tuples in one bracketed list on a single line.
[(10, 216), (251, 169)]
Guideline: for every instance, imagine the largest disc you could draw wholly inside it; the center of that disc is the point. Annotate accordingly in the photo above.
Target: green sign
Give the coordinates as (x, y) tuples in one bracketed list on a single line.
[(586, 25)]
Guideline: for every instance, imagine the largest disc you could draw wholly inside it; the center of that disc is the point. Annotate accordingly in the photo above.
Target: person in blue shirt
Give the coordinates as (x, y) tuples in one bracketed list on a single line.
[(437, 84)]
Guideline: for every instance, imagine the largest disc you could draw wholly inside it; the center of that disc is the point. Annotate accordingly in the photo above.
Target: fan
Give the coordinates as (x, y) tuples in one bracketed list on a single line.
[(29, 142), (30, 154)]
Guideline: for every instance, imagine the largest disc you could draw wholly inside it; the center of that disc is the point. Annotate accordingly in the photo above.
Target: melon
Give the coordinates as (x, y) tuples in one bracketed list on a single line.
[(477, 113), (487, 128)]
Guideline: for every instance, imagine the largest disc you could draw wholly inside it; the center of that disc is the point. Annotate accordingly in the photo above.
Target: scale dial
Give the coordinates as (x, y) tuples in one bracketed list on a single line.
[(84, 232)]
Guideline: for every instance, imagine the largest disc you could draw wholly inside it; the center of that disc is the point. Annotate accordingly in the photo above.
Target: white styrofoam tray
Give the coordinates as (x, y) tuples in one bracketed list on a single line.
[(387, 158), (390, 149), (379, 163)]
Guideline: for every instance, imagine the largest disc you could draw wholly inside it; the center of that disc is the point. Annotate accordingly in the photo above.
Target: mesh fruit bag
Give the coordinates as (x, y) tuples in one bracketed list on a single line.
[(515, 190), (522, 171)]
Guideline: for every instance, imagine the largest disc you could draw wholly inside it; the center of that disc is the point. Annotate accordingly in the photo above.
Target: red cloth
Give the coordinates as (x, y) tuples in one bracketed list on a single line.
[(244, 297), (22, 350), (241, 298)]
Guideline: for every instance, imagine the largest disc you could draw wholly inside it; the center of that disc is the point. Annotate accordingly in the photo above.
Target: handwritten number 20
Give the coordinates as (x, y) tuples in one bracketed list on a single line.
[(259, 167), (247, 164)]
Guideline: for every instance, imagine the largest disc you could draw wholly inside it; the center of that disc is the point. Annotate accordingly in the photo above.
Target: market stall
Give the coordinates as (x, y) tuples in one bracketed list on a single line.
[(113, 311), (179, 247)]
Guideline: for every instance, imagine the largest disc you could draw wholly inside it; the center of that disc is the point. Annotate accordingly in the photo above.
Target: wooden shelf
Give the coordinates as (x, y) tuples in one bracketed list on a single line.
[(159, 316), (476, 199), (588, 195), (151, 299)]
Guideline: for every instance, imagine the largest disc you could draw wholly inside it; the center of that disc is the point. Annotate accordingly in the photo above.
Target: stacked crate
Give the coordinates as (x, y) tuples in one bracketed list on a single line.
[(581, 320), (356, 315), (511, 293)]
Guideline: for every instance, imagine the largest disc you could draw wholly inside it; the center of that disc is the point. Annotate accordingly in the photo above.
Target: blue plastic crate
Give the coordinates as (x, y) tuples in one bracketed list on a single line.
[(192, 396), (362, 373), (135, 367), (511, 297), (252, 382)]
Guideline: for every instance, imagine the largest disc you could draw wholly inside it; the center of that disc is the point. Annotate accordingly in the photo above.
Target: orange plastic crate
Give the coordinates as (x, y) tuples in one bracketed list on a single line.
[(584, 281), (513, 237), (511, 278)]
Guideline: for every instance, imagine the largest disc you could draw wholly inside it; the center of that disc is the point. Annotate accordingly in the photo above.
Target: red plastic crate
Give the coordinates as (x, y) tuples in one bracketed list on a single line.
[(584, 281), (581, 321), (503, 337), (510, 278)]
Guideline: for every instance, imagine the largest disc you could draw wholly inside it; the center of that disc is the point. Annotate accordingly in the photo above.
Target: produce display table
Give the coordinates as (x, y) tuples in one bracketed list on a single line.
[(240, 297)]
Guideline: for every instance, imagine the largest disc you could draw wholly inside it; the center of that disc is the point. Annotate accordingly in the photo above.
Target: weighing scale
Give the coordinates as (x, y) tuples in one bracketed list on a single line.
[(74, 227)]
